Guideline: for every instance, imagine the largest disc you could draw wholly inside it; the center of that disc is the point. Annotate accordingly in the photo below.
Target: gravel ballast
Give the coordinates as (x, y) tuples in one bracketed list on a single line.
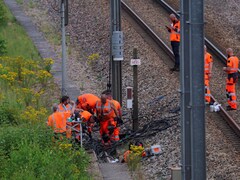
[(89, 34)]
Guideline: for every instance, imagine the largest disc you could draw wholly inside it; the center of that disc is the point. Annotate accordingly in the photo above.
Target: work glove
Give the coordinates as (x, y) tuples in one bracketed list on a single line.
[(118, 120)]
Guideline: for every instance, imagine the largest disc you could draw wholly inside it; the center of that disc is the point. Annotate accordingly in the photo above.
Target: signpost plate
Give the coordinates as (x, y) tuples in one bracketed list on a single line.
[(135, 62)]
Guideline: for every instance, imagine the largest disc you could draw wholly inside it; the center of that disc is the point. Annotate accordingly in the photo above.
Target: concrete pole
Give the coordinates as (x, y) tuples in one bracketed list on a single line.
[(197, 89), (135, 92), (116, 65), (64, 56), (185, 91)]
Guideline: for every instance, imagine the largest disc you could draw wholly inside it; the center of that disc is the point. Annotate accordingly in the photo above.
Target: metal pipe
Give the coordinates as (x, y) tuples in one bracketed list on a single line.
[(185, 91), (135, 92), (64, 56), (197, 89), (116, 65)]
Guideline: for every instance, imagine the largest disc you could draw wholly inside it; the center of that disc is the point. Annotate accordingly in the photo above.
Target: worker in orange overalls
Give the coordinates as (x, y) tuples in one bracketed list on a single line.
[(87, 102), (116, 103), (106, 112), (88, 121), (207, 74), (57, 121), (117, 119), (65, 107), (232, 71), (174, 31)]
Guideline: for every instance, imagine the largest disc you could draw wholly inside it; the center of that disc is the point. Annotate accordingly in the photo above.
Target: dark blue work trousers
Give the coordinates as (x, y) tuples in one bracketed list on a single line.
[(175, 47)]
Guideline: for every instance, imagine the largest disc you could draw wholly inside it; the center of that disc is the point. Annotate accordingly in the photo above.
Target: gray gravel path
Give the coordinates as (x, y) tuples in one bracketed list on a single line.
[(44, 48), (118, 171)]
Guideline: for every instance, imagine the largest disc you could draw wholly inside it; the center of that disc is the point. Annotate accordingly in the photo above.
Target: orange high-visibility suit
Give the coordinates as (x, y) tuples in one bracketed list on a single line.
[(232, 62), (66, 111), (86, 116), (106, 113), (207, 71), (175, 32), (117, 106), (175, 41), (87, 102), (119, 110), (58, 122)]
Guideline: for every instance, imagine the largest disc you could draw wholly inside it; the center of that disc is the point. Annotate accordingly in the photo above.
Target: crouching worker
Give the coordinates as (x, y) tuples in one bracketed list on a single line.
[(134, 151), (57, 122), (106, 112), (88, 119)]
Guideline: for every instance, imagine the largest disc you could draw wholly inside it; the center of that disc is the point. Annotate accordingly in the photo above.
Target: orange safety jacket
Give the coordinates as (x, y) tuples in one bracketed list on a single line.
[(58, 122), (87, 101), (66, 110), (175, 32), (208, 60), (105, 111), (117, 106), (233, 62), (85, 115)]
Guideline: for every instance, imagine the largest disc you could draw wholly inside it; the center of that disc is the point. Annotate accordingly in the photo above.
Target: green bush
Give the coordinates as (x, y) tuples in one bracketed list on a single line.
[(3, 47), (29, 153), (3, 17), (7, 114)]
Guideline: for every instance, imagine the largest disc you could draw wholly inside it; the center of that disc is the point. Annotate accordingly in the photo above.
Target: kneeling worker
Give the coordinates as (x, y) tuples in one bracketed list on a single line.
[(57, 122)]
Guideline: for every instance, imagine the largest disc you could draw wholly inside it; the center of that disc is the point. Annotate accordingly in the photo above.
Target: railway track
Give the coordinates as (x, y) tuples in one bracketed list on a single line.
[(225, 115)]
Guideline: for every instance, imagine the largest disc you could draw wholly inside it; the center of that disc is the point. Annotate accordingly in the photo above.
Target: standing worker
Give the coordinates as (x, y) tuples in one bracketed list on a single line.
[(232, 71), (87, 102), (106, 112), (174, 31), (57, 121), (116, 103), (207, 74)]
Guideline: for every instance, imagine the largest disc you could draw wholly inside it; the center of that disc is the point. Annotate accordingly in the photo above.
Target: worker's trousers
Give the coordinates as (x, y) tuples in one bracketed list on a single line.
[(207, 89), (175, 47), (104, 129), (231, 90)]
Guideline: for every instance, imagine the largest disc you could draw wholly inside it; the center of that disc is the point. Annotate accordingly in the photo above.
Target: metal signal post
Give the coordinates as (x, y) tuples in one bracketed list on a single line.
[(116, 50), (64, 55)]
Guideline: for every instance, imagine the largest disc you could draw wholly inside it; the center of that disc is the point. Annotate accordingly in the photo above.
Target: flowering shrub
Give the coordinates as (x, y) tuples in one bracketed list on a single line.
[(93, 58)]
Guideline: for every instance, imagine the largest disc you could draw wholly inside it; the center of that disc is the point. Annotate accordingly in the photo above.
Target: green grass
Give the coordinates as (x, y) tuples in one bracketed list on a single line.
[(27, 148), (18, 43)]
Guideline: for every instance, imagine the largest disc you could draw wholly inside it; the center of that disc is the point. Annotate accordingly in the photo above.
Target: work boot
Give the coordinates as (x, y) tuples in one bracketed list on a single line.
[(175, 68), (229, 108)]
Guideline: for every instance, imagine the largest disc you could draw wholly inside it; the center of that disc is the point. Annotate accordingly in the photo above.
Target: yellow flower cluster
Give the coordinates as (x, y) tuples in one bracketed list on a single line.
[(48, 61), (10, 76), (93, 57), (33, 115), (137, 150), (65, 146), (42, 74), (26, 72)]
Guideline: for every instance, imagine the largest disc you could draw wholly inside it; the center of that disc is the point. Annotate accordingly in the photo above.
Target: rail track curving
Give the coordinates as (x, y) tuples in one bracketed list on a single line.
[(225, 115)]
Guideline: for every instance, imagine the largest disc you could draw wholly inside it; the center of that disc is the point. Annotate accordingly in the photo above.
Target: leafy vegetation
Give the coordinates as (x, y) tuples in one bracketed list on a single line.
[(27, 148)]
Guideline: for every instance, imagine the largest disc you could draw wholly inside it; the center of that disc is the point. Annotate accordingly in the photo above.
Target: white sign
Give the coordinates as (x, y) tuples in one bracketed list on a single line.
[(135, 62)]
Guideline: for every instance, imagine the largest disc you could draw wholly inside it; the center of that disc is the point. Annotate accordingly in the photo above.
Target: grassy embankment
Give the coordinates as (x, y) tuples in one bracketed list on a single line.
[(26, 92)]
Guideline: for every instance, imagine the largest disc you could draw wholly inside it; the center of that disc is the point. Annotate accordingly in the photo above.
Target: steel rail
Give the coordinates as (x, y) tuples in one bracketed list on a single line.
[(231, 122)]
